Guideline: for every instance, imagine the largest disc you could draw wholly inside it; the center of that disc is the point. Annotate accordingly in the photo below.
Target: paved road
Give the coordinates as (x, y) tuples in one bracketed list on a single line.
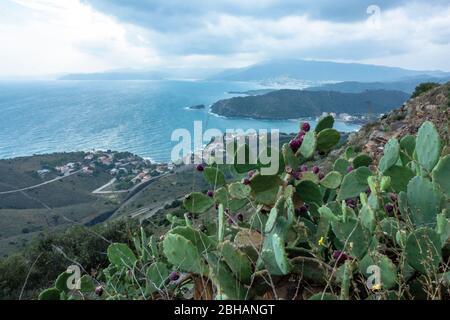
[(40, 184)]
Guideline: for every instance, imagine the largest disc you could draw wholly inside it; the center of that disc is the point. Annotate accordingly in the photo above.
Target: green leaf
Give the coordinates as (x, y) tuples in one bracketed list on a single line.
[(50, 294), (326, 122), (424, 201), (121, 255), (391, 154), (86, 284), (332, 180), (423, 250), (388, 270), (308, 145), (239, 190), (400, 177), (341, 165), (183, 254), (157, 273), (354, 183), (197, 202), (327, 139), (265, 188), (428, 146), (309, 192), (441, 175), (361, 160), (290, 158), (407, 146), (214, 176)]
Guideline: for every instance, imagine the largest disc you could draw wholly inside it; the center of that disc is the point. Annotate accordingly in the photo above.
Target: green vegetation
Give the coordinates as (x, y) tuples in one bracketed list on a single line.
[(424, 87), (51, 253), (292, 104), (333, 232)]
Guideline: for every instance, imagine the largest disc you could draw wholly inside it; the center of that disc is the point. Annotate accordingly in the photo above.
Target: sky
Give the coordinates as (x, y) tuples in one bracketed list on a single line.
[(45, 37)]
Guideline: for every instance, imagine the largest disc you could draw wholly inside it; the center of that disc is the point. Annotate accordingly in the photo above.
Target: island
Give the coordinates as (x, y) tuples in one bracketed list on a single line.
[(294, 104), (197, 107)]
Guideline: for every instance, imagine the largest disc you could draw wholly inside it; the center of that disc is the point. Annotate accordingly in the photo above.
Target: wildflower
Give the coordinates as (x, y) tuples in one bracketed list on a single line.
[(376, 287), (321, 241)]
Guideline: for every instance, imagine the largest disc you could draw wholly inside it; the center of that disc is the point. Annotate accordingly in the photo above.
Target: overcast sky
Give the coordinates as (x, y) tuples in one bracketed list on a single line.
[(40, 37)]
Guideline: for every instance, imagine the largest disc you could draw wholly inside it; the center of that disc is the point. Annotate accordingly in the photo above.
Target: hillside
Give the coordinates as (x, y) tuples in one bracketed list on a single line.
[(319, 71), (433, 106), (291, 104), (407, 86)]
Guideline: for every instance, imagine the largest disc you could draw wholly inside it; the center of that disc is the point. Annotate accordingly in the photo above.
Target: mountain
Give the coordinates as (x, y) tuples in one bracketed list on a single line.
[(290, 104), (407, 86), (116, 75), (319, 71)]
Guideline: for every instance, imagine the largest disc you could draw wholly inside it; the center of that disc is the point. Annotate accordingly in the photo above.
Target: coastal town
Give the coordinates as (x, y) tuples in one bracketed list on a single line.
[(126, 169)]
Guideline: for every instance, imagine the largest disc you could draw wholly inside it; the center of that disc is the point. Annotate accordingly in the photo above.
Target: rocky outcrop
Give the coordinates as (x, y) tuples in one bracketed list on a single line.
[(432, 105)]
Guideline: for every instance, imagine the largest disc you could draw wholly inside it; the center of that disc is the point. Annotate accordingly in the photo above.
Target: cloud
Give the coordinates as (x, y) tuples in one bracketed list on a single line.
[(44, 36), (54, 36)]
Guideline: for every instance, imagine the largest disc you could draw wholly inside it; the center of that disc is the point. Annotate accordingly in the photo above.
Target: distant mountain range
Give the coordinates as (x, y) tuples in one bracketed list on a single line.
[(407, 86), (116, 75), (291, 104), (321, 71)]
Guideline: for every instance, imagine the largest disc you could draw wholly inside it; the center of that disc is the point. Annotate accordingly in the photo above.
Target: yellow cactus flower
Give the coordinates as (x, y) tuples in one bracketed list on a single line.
[(376, 287), (321, 241)]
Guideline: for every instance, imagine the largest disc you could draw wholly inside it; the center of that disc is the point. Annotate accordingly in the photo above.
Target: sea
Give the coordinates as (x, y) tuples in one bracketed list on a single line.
[(38, 117)]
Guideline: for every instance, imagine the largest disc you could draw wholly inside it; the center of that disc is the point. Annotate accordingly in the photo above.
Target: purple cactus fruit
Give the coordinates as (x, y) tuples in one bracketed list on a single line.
[(250, 174), (301, 134), (349, 169), (340, 256), (304, 168), (240, 217), (174, 276), (304, 209), (296, 175), (230, 220), (246, 181), (200, 167), (315, 169), (389, 208), (321, 175), (350, 203), (210, 193), (295, 145), (99, 291), (306, 127)]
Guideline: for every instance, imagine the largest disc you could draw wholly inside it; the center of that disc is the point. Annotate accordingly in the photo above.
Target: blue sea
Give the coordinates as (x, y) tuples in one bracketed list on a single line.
[(137, 116)]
